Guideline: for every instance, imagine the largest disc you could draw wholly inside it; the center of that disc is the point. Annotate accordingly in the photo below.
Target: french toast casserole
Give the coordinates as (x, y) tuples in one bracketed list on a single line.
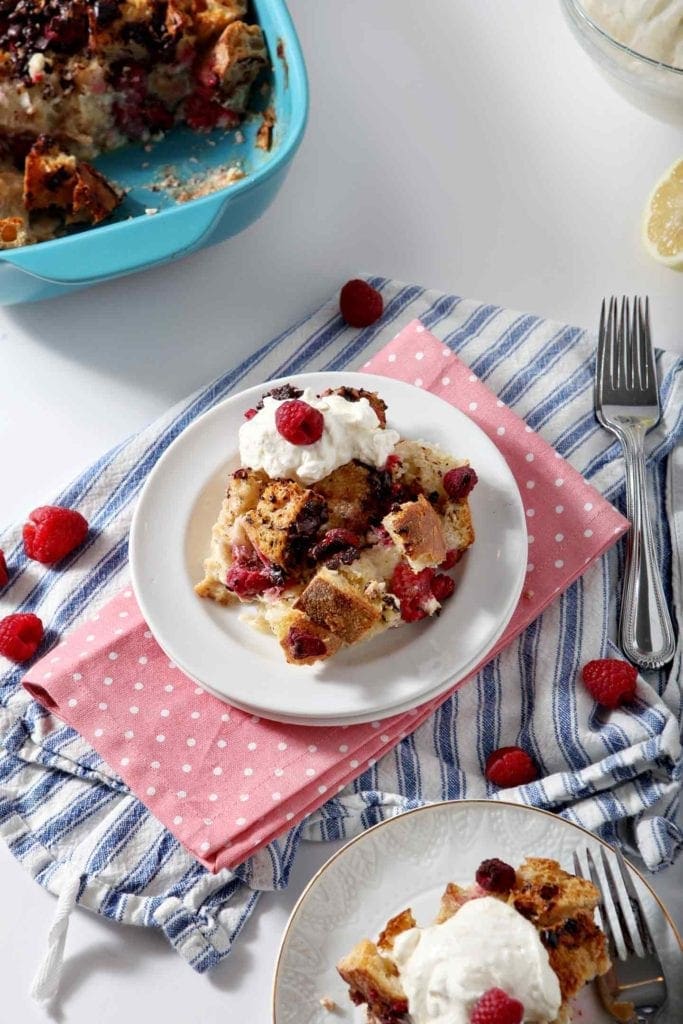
[(516, 945), (82, 77), (334, 527)]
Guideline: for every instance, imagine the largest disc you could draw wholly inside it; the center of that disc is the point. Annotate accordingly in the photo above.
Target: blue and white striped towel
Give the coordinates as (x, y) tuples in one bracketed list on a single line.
[(61, 805)]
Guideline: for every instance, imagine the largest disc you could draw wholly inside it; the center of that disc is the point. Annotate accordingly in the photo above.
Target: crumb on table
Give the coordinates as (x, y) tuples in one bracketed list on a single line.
[(328, 1004)]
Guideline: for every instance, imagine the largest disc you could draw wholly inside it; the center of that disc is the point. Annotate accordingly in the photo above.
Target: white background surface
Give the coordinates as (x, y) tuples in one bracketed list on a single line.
[(469, 146)]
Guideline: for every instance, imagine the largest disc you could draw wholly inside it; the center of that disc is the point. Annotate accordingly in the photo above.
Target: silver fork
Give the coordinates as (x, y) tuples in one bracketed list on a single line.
[(635, 989), (627, 403)]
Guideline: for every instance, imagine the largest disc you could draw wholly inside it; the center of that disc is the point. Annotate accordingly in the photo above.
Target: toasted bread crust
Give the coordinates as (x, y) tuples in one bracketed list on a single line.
[(353, 494), (334, 600), (290, 622), (286, 518), (416, 529)]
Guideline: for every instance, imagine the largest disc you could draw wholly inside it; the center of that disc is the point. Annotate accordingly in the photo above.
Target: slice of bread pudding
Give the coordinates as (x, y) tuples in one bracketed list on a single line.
[(557, 938), (334, 528)]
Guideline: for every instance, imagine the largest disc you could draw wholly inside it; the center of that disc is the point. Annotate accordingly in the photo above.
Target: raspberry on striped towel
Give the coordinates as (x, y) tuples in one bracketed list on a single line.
[(610, 681), (4, 575), (52, 532), (510, 766), (360, 304), (20, 635), (497, 1007)]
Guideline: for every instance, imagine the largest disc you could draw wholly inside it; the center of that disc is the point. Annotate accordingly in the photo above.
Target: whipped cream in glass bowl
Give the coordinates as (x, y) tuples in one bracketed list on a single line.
[(638, 45), (351, 430)]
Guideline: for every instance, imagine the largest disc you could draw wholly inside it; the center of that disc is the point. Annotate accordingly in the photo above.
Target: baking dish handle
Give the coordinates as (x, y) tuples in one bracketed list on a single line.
[(121, 248)]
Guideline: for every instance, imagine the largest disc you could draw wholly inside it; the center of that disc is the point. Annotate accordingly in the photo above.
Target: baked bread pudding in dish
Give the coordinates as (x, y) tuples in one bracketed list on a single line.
[(81, 77), (515, 946), (334, 527)]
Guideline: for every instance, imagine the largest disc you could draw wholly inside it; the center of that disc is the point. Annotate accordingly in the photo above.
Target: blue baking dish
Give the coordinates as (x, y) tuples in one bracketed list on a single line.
[(137, 239)]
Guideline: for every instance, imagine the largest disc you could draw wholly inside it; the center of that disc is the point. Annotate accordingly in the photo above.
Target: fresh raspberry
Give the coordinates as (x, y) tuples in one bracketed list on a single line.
[(360, 304), (495, 876), (610, 682), (452, 558), (510, 766), (393, 462), (305, 645), (20, 635), (4, 575), (52, 532), (250, 413), (299, 423), (497, 1007), (442, 587), (459, 482)]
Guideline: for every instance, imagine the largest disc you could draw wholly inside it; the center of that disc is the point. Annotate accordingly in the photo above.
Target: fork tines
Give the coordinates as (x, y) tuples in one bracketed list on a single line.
[(625, 358), (621, 914)]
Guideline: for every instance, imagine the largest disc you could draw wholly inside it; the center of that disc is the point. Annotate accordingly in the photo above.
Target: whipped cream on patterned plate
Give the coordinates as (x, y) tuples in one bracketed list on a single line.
[(351, 431), (445, 968)]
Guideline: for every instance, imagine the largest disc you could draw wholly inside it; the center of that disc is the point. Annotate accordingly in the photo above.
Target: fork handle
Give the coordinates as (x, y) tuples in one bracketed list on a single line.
[(647, 636)]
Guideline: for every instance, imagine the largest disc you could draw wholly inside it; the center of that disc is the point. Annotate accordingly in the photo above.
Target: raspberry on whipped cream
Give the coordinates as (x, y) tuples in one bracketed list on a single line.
[(351, 430)]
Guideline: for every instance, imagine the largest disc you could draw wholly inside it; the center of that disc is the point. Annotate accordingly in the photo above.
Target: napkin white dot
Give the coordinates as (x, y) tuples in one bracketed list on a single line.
[(354, 764), (129, 734), (312, 748), (282, 746), (531, 538), (310, 772), (181, 794), (113, 655), (151, 791), (123, 615), (418, 382), (445, 381), (588, 506), (195, 714), (343, 749), (391, 358), (218, 771), (531, 513), (138, 686), (204, 846), (419, 355), (500, 431), (322, 789), (588, 533), (134, 709), (529, 456), (530, 567), (187, 768), (164, 712), (244, 797), (160, 737), (213, 797), (559, 537), (559, 563), (73, 702), (531, 484), (289, 815), (102, 706), (155, 764), (124, 761), (225, 717), (251, 746), (472, 406), (178, 820), (142, 661), (278, 772), (559, 482), (419, 329), (276, 796), (384, 738), (222, 744), (559, 509), (240, 821), (191, 742), (89, 638), (98, 732), (169, 688), (77, 677)]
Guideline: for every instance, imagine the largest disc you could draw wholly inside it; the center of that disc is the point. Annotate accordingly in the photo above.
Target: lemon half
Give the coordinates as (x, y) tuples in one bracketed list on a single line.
[(663, 221)]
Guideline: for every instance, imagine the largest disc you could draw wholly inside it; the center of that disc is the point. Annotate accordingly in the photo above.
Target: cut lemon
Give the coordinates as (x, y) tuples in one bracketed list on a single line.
[(663, 222)]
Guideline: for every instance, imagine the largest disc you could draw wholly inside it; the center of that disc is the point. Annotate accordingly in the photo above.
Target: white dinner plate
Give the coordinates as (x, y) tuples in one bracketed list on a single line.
[(393, 672), (406, 861)]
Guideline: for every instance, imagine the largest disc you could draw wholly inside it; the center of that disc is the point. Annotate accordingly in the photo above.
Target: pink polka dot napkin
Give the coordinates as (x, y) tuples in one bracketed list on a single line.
[(226, 783)]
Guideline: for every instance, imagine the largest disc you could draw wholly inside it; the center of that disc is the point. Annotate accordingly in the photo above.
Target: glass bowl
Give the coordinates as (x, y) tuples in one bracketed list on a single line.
[(651, 85)]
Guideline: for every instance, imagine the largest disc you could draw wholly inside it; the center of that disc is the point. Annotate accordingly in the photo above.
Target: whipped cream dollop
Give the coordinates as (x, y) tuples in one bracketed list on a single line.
[(651, 27), (445, 968), (351, 431)]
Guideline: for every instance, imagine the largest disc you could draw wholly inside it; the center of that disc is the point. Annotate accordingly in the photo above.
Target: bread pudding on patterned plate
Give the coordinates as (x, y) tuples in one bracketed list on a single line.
[(334, 527), (515, 946), (81, 77)]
